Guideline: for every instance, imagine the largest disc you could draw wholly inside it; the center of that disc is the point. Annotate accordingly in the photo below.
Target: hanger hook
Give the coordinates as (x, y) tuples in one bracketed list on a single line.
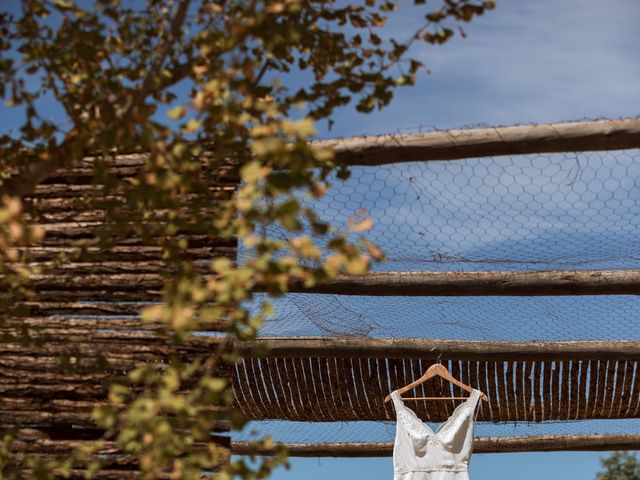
[(439, 355)]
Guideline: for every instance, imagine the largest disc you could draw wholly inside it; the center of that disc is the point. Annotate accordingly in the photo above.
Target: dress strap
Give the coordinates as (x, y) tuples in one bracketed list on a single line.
[(474, 397), (476, 402), (397, 401)]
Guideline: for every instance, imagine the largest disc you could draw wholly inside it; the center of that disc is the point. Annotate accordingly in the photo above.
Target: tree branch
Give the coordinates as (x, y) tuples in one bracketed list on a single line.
[(38, 170), (161, 55)]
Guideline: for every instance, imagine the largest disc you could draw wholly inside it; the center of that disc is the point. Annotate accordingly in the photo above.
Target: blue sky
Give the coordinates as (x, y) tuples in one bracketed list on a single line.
[(525, 62), (521, 466)]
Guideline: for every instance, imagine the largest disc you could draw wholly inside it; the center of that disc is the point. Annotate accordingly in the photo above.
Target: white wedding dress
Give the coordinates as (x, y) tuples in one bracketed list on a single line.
[(419, 453)]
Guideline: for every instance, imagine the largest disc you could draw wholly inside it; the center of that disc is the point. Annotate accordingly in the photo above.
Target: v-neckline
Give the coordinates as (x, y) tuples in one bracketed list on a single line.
[(443, 424)]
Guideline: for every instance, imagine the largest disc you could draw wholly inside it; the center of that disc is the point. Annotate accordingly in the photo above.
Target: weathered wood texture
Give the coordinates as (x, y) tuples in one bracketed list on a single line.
[(128, 279), (473, 350), (62, 376), (112, 266), (36, 393), (82, 329), (45, 445), (539, 283), (54, 384), (345, 379), (485, 142), (541, 443)]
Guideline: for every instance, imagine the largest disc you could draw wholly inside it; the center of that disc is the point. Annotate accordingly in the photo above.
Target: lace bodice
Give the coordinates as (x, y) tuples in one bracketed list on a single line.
[(421, 453)]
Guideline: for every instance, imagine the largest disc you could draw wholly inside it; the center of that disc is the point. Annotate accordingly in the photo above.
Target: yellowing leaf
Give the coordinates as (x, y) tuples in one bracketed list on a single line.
[(221, 265), (152, 313), (267, 145), (361, 226), (357, 265), (306, 127), (176, 113), (192, 125), (306, 248), (199, 101), (253, 171), (375, 252), (323, 154), (64, 4)]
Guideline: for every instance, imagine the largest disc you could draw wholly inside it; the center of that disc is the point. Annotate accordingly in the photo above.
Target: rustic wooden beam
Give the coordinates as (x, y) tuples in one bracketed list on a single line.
[(126, 253), (96, 201), (78, 212), (106, 309), (538, 443), (47, 418), (102, 474), (96, 192), (49, 325), (85, 236), (487, 142), (46, 444), (539, 283), (547, 283), (135, 346), (128, 294), (350, 347)]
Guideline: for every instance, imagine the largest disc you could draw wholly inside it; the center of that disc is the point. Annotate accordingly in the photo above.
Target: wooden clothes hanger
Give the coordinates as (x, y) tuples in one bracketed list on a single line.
[(434, 370)]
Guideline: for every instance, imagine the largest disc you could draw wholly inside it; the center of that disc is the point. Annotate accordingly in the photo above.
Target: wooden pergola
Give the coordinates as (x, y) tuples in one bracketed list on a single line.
[(90, 307)]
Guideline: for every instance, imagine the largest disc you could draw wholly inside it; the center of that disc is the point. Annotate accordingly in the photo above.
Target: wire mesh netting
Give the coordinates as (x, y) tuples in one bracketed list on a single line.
[(577, 211), (530, 212), (384, 431), (460, 318)]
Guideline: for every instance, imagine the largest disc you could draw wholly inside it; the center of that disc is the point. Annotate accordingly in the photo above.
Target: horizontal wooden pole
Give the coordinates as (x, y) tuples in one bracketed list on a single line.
[(123, 473), (136, 253), (538, 443), (48, 325), (85, 308), (85, 236), (81, 213), (127, 294), (539, 283), (350, 347), (93, 191), (135, 346), (484, 142), (110, 453), (107, 268), (546, 283)]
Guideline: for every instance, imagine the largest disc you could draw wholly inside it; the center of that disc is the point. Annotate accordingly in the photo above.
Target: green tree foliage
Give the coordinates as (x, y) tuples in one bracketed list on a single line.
[(620, 466), (197, 85)]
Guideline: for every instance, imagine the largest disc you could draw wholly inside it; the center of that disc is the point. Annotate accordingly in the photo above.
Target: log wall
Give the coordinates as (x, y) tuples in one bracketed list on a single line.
[(81, 330)]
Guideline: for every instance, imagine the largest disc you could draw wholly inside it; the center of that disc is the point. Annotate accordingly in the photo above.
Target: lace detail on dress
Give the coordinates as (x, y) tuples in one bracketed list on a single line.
[(419, 437), (421, 434), (471, 403)]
